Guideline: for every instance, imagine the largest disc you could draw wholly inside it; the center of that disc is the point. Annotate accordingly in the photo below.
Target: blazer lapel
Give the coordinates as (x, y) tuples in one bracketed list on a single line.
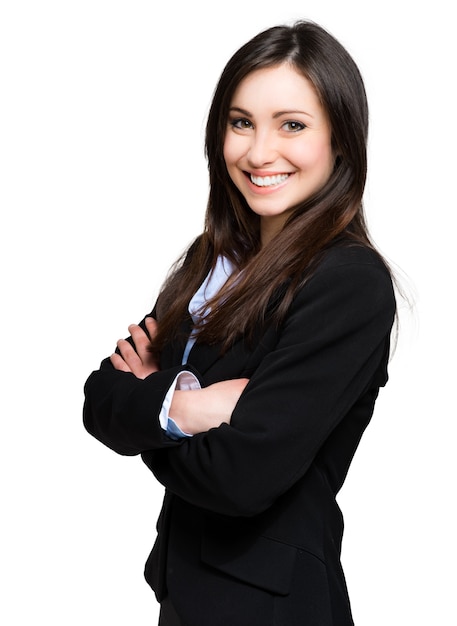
[(172, 352), (203, 356), (240, 360)]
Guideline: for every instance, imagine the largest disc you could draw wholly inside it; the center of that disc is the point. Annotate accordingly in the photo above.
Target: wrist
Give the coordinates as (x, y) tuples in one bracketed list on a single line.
[(181, 411)]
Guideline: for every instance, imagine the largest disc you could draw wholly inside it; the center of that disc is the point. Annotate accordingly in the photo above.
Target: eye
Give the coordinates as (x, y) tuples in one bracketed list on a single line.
[(241, 123), (293, 127)]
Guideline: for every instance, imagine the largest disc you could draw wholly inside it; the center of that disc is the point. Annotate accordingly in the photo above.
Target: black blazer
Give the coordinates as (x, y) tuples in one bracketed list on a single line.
[(250, 531)]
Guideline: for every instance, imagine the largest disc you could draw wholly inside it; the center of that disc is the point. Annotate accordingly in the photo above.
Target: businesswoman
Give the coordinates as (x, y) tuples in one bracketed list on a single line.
[(248, 387)]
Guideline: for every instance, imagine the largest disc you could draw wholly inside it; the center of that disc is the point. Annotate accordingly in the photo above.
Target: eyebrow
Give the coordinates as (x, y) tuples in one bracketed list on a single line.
[(275, 116)]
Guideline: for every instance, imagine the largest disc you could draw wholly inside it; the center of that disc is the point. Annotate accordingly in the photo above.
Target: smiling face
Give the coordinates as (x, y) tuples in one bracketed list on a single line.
[(277, 147)]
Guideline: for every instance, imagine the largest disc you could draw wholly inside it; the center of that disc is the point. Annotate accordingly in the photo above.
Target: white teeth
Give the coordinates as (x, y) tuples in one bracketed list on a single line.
[(268, 181)]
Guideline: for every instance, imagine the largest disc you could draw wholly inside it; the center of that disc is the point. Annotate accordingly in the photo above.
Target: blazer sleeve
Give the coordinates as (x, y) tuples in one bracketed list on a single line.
[(122, 411), (330, 351)]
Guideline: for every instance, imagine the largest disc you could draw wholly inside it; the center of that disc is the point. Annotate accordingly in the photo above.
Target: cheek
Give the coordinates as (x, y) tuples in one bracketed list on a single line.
[(328, 163), (318, 159)]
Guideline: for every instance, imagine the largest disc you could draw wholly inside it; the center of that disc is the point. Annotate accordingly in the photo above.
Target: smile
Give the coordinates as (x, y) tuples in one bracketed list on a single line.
[(268, 181)]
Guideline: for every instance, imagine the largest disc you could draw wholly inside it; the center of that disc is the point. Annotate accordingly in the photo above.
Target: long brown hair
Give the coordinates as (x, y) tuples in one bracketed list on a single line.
[(232, 229)]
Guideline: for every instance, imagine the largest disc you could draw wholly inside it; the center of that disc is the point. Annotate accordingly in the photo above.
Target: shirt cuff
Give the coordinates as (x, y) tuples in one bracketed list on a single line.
[(183, 381)]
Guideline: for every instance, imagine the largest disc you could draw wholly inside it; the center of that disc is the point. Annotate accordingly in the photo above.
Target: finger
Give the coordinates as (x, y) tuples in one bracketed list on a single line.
[(128, 354), (141, 360), (151, 327), (119, 363), (140, 339)]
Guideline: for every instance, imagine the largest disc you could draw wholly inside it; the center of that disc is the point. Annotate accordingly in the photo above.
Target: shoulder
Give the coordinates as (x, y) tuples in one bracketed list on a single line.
[(349, 280), (347, 254), (352, 262)]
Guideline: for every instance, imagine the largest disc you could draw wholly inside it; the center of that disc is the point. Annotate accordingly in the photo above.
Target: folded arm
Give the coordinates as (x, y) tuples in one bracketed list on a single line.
[(112, 392)]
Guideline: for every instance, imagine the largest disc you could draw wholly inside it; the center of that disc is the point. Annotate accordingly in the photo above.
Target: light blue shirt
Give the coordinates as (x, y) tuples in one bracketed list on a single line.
[(198, 311)]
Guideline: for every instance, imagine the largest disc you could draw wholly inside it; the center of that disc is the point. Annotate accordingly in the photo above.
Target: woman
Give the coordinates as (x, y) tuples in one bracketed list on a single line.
[(247, 389)]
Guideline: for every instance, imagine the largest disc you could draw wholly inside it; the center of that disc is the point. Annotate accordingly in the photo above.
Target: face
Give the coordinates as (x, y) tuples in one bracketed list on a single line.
[(277, 147)]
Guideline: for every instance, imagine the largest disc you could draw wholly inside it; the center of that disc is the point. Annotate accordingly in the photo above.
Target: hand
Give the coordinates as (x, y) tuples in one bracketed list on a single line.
[(198, 410), (139, 361)]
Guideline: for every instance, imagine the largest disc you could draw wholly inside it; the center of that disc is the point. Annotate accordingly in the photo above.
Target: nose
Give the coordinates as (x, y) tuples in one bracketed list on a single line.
[(262, 149)]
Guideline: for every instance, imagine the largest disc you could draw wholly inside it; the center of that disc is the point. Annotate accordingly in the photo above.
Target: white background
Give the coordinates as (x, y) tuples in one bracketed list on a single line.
[(103, 183)]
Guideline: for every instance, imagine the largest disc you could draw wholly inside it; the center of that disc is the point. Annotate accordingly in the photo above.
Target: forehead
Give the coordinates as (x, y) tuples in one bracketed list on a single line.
[(279, 86)]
